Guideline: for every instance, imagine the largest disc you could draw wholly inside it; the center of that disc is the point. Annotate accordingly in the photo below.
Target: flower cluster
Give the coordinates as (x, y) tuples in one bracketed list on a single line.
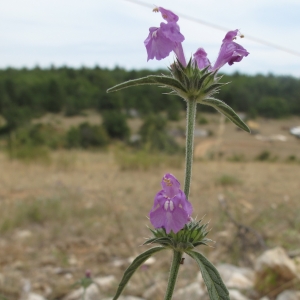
[(171, 209), (162, 40)]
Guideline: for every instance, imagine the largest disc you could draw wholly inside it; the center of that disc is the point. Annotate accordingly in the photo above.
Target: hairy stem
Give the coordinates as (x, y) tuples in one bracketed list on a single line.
[(190, 127), (177, 255)]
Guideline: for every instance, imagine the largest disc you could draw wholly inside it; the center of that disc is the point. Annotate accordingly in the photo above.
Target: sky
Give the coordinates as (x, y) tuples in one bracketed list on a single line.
[(111, 33)]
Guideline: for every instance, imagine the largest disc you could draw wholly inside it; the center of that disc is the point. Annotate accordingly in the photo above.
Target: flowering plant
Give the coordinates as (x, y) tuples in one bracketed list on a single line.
[(196, 81)]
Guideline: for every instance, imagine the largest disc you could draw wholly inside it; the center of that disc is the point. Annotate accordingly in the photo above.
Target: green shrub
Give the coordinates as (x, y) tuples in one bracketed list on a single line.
[(37, 135), (227, 180), (202, 120), (29, 153), (266, 156), (86, 136), (32, 142), (154, 136), (115, 125), (237, 158), (291, 158), (143, 160), (273, 107)]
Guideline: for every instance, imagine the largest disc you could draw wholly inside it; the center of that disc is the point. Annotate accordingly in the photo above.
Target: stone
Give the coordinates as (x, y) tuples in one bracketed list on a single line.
[(33, 296), (272, 269), (289, 295), (193, 291), (277, 260), (156, 288), (126, 298), (93, 292), (236, 277), (105, 282), (236, 295), (23, 234)]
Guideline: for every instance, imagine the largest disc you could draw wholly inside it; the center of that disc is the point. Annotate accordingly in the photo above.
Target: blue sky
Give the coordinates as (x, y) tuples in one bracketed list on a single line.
[(111, 32)]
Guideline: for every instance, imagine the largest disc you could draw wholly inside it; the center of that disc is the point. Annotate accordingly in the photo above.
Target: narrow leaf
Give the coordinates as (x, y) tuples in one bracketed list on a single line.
[(164, 81), (162, 240), (202, 79), (133, 267), (226, 110), (213, 87), (212, 279)]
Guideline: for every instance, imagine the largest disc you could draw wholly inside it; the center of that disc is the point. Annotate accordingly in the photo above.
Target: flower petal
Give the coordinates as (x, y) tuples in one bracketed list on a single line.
[(159, 200), (157, 44), (172, 32), (158, 217), (175, 220), (168, 15), (170, 185), (230, 35), (230, 52), (186, 205), (200, 57)]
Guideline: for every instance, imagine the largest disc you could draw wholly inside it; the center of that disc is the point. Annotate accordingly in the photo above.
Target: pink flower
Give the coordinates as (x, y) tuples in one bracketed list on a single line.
[(162, 40), (171, 210), (230, 52)]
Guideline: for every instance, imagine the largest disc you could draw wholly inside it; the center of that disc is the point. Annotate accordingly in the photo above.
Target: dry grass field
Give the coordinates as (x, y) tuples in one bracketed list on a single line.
[(80, 211)]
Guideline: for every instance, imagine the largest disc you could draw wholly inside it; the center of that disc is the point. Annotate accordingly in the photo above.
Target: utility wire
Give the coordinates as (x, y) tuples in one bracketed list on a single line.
[(218, 27)]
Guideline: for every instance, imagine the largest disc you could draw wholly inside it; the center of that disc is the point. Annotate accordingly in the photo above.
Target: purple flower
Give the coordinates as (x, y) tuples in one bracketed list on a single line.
[(200, 57), (162, 40), (167, 14), (166, 38), (171, 209), (230, 51)]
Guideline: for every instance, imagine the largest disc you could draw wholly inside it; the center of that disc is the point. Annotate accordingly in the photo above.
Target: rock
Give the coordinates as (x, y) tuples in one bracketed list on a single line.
[(193, 291), (33, 296), (153, 291), (236, 295), (105, 282), (273, 269), (297, 263), (289, 295), (23, 234), (26, 293), (277, 259), (93, 292), (236, 277), (126, 298)]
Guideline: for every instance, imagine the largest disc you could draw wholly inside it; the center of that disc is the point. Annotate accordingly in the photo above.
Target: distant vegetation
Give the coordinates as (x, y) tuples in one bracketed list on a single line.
[(26, 94)]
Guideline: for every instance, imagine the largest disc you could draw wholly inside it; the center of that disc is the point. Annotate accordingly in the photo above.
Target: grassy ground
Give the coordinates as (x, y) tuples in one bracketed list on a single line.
[(81, 211)]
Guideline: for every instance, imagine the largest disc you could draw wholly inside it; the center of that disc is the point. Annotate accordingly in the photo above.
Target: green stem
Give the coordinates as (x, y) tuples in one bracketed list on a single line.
[(177, 255), (190, 127)]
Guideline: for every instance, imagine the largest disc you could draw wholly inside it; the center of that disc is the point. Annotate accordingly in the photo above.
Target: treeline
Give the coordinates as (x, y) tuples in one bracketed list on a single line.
[(30, 93)]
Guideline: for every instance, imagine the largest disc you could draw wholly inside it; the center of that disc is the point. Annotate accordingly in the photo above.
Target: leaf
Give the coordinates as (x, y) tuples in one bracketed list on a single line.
[(214, 87), (212, 279), (159, 240), (227, 111), (163, 81), (138, 261)]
